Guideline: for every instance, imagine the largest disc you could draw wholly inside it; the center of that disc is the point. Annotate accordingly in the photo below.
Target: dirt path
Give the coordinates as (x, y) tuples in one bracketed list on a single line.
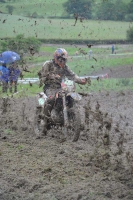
[(117, 72), (97, 167), (84, 45)]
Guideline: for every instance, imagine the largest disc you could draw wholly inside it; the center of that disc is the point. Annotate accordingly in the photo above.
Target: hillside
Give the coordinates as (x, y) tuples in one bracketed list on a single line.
[(62, 29), (44, 20), (40, 8)]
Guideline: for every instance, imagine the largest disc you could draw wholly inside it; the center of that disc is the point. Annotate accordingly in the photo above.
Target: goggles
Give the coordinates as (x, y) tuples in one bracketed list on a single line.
[(61, 59)]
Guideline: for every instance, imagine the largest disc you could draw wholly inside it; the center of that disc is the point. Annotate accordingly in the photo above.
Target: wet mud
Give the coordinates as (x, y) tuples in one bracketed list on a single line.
[(97, 167)]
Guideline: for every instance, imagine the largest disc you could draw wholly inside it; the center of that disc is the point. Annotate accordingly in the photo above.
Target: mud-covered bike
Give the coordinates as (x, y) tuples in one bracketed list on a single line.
[(65, 112)]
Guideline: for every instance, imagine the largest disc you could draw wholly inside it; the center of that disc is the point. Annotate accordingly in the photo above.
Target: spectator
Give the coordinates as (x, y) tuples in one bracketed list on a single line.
[(90, 53), (4, 73), (76, 53), (113, 48), (14, 73)]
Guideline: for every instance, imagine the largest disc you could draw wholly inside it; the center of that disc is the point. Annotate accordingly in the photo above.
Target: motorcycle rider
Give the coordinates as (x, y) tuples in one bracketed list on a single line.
[(52, 74)]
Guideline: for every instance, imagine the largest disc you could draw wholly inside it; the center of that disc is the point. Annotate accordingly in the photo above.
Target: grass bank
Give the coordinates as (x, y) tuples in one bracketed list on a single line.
[(82, 65), (96, 86)]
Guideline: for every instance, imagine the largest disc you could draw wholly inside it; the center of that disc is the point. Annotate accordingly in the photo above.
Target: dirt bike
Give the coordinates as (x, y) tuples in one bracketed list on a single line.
[(65, 112)]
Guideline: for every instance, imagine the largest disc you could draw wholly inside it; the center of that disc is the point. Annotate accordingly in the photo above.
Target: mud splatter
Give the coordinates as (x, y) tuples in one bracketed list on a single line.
[(98, 166)]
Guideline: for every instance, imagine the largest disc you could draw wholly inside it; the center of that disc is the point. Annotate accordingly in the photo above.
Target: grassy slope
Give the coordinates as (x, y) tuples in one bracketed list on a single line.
[(62, 28), (41, 7), (83, 66), (55, 28)]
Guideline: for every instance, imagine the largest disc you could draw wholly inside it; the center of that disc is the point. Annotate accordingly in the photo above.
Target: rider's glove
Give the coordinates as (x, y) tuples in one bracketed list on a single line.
[(83, 81)]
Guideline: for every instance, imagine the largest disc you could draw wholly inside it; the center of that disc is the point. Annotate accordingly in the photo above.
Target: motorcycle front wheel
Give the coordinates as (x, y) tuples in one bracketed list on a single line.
[(38, 122), (75, 123)]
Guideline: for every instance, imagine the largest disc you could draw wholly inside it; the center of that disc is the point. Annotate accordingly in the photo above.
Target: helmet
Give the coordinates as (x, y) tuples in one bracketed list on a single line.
[(60, 57)]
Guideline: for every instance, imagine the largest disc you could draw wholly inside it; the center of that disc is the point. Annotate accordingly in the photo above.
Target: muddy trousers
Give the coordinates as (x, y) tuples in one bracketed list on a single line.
[(49, 103), (45, 112), (11, 85), (4, 86)]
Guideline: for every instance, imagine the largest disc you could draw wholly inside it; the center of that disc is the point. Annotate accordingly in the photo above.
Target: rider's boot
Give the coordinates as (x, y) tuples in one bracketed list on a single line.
[(47, 112)]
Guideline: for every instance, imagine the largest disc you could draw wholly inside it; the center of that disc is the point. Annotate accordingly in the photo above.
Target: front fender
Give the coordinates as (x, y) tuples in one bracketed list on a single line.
[(75, 96)]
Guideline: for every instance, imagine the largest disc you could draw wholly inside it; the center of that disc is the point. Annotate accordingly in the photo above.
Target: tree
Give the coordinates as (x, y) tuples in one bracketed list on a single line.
[(105, 11), (129, 16), (81, 7), (111, 10), (120, 10), (2, 1), (21, 45)]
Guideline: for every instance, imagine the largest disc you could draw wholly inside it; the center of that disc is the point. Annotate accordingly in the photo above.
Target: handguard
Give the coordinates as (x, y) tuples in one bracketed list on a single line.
[(42, 98)]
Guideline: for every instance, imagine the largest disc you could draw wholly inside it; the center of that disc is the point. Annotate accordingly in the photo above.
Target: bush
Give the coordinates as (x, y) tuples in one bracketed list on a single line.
[(21, 44), (129, 17), (124, 82), (130, 34), (35, 15), (10, 9)]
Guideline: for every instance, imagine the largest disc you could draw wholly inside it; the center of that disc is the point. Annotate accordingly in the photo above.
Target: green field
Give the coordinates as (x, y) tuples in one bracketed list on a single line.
[(56, 28), (42, 8), (96, 86), (62, 29), (84, 66)]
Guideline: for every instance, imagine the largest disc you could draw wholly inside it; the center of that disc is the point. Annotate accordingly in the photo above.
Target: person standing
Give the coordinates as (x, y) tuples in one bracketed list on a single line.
[(4, 75), (14, 73), (113, 48), (90, 53)]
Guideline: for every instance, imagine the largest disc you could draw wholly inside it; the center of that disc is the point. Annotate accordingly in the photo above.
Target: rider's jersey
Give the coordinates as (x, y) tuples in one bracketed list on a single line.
[(49, 68)]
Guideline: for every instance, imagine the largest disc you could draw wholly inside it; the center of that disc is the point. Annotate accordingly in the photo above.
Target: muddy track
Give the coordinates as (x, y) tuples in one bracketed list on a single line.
[(99, 166)]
